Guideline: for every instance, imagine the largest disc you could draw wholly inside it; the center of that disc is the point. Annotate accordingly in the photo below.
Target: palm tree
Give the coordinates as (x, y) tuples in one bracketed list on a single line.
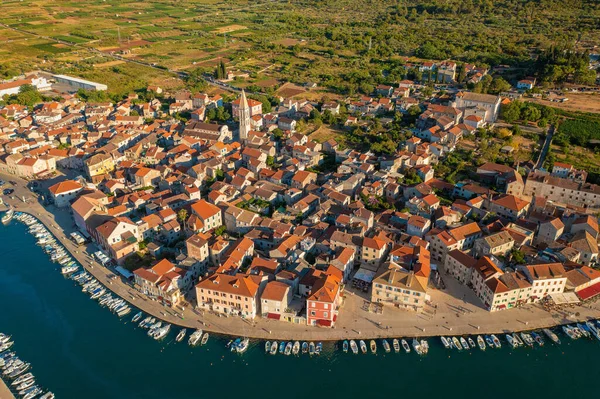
[(182, 215)]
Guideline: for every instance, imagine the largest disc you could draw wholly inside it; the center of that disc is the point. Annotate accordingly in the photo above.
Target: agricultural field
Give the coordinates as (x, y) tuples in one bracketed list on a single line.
[(344, 46)]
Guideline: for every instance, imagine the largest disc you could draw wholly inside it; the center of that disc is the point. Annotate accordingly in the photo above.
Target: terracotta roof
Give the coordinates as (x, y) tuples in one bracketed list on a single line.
[(65, 187), (275, 291)]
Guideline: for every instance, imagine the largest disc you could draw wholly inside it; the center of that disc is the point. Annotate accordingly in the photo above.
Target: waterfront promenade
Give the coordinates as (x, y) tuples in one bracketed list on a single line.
[(4, 391), (456, 310)]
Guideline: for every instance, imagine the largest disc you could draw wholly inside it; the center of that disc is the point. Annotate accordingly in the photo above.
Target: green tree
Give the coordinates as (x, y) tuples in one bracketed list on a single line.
[(182, 215)]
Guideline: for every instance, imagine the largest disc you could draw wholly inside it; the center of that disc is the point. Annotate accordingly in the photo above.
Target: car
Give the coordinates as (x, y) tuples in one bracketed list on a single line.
[(2, 182), (8, 191)]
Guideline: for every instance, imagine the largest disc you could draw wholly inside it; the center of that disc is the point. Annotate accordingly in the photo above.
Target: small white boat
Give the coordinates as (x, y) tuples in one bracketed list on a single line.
[(354, 347), (511, 341), (526, 338), (570, 333), (417, 346), (445, 342), (396, 345), (373, 346), (471, 342), (424, 347), (243, 345), (137, 317), (345, 346), (267, 346), (496, 341), (386, 346), (181, 335), (195, 337), (288, 349), (363, 346), (405, 346), (204, 339), (464, 343), (456, 343), (480, 342), (274, 348), (296, 348)]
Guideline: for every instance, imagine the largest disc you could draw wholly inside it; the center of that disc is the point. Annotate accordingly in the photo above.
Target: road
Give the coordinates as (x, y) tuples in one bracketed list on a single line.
[(545, 147)]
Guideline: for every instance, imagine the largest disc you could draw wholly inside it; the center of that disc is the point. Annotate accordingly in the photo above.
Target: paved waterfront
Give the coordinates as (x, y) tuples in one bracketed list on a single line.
[(4, 391), (458, 310)]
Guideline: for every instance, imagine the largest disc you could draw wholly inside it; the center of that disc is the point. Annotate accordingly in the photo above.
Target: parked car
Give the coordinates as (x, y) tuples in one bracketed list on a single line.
[(8, 191)]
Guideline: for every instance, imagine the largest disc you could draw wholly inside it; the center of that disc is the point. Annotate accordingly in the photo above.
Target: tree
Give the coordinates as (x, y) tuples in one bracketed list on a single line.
[(277, 134), (511, 112), (498, 85), (182, 216)]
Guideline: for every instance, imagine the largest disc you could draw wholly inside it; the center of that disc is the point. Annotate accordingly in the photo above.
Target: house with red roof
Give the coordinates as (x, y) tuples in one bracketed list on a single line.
[(324, 299), (163, 281), (64, 192)]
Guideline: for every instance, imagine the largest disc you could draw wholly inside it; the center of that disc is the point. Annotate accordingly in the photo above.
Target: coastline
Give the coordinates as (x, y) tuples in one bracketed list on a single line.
[(238, 327)]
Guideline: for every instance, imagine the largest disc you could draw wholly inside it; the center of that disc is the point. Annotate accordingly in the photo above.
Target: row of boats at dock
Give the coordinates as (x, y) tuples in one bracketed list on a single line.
[(17, 375)]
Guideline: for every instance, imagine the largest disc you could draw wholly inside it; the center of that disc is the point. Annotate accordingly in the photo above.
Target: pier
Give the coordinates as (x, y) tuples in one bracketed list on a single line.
[(457, 312)]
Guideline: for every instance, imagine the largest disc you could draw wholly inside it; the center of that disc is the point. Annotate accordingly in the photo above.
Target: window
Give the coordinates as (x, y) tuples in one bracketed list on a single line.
[(326, 306), (313, 313), (325, 314)]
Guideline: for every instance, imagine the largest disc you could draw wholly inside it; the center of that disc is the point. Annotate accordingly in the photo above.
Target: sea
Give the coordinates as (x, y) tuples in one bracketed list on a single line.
[(78, 349)]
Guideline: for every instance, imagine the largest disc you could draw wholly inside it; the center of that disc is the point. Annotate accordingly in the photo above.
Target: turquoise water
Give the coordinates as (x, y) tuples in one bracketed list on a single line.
[(79, 350)]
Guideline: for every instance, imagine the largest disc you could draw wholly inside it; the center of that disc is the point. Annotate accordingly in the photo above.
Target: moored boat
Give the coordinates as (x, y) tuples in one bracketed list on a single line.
[(311, 348), (296, 348), (386, 346), (456, 343), (288, 349), (550, 334), (396, 345), (282, 347), (373, 346), (405, 346), (204, 339), (527, 339), (363, 346), (570, 333), (274, 348), (496, 341), (417, 346), (243, 345), (481, 342), (464, 343), (537, 338), (511, 340), (353, 346), (471, 342), (517, 339), (181, 335), (424, 347), (345, 346), (445, 342), (267, 346), (305, 347), (137, 317), (195, 337), (319, 348)]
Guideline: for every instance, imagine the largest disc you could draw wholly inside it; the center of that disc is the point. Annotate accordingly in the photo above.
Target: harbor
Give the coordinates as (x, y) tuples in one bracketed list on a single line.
[(73, 343)]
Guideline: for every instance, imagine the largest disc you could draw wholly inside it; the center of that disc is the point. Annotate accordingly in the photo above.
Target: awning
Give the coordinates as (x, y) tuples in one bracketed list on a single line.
[(589, 292), (124, 272), (324, 323), (274, 316), (364, 275)]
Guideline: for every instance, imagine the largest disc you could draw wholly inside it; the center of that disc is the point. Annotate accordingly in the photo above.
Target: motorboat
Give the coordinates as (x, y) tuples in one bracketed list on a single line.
[(417, 346), (445, 342), (345, 346), (464, 343), (296, 348), (137, 317), (496, 342), (517, 339), (526, 338), (373, 346), (584, 330), (282, 347), (243, 345), (204, 339), (553, 337), (304, 347), (353, 347), (288, 349), (23, 378), (267, 346), (456, 343), (195, 337), (47, 395), (481, 342), (273, 348), (405, 346), (424, 347), (396, 345), (511, 340), (570, 333), (386, 346), (537, 338), (181, 335), (319, 348), (363, 346), (471, 342), (311, 348)]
